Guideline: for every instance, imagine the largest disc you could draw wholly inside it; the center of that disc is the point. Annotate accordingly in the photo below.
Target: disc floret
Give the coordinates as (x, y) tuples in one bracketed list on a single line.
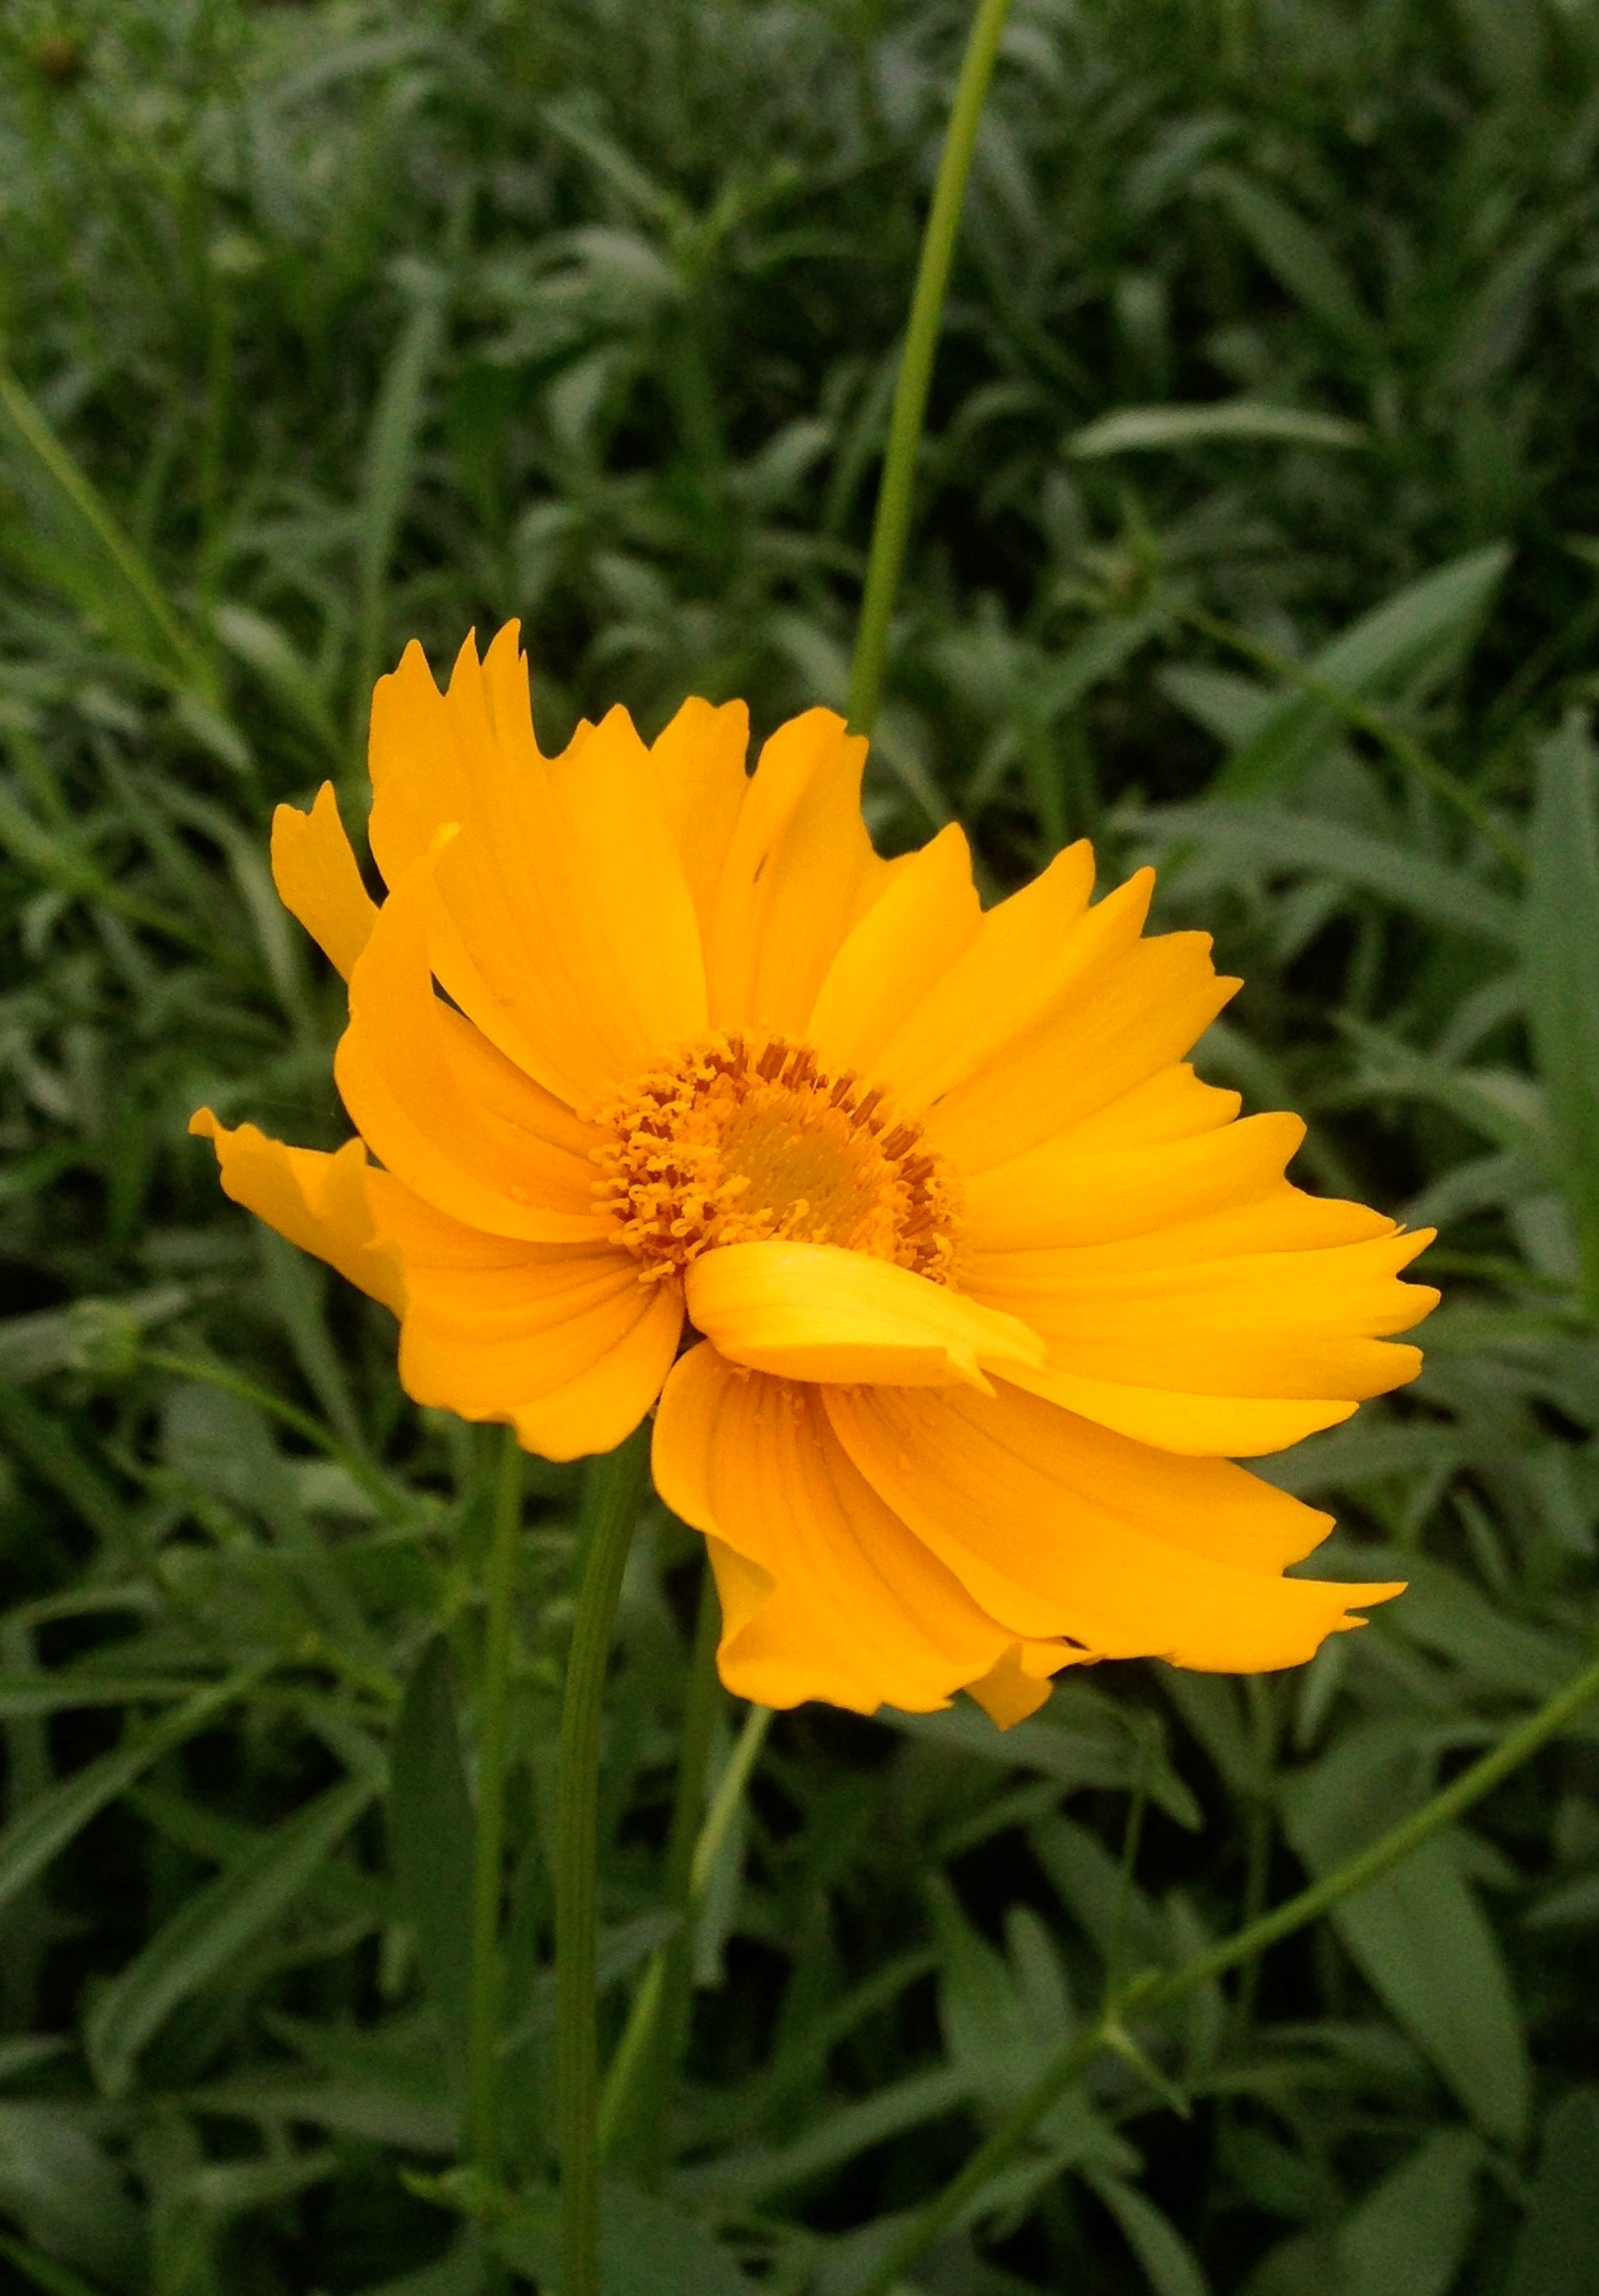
[(748, 1140)]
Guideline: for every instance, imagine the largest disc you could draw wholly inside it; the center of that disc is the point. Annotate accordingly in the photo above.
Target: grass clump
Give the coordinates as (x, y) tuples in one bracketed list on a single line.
[(1255, 533)]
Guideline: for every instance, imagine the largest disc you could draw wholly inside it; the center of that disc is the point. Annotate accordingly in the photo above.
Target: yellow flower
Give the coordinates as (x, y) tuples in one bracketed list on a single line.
[(983, 1290)]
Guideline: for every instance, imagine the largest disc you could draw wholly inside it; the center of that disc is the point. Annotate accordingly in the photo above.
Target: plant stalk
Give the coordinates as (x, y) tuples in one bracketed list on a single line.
[(1156, 1989), (635, 2109), (891, 525), (615, 1489), (482, 2048)]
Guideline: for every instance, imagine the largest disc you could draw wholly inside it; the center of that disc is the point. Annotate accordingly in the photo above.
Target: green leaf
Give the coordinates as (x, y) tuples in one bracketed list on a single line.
[(430, 1833), (1419, 1935), (1411, 2232), (390, 467), (1558, 2251), (1563, 976), (42, 2272), (1294, 252), (1400, 876), (212, 1928), (646, 2249), (1139, 429), (46, 1824), (1414, 635), (1080, 1737), (65, 2189), (97, 565), (1169, 2265)]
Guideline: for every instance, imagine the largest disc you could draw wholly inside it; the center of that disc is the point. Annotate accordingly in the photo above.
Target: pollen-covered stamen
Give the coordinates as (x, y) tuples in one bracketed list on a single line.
[(746, 1141)]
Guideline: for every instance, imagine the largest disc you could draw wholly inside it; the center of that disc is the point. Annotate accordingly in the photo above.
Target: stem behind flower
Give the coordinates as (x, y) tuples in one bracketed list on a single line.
[(483, 2100), (616, 1485), (891, 525)]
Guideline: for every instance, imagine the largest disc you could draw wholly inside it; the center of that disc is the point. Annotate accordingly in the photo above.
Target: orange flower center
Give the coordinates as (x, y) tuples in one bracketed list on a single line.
[(744, 1142)]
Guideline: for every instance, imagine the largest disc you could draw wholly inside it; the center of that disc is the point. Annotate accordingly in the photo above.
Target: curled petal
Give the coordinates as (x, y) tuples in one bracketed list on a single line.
[(319, 879), (816, 1312), (320, 1203)]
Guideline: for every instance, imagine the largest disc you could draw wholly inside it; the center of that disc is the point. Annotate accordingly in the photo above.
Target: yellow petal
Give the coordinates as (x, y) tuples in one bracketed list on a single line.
[(1023, 958), (564, 928), (825, 1594), (427, 751), (700, 765), (816, 1312), (799, 872), (630, 890), (319, 879), (1171, 1105), (566, 1344), (447, 1113), (1130, 1013), (1187, 1198), (320, 1202), (1058, 1528), (1197, 1427), (1008, 1693), (1296, 1325), (901, 949)]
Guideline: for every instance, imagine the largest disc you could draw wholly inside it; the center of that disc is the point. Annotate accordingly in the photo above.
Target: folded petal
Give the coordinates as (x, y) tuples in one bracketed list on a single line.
[(320, 1202), (450, 1116), (816, 1312), (900, 950), (1057, 1528), (800, 870), (565, 927), (826, 1593), (563, 1342), (319, 878)]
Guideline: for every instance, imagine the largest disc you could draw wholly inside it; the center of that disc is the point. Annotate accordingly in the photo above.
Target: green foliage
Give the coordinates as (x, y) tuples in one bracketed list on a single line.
[(1255, 533)]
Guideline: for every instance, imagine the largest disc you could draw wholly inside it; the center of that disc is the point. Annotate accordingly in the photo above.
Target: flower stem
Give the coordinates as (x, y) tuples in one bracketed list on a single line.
[(635, 2108), (1156, 1989), (891, 525), (611, 1506), (483, 2082)]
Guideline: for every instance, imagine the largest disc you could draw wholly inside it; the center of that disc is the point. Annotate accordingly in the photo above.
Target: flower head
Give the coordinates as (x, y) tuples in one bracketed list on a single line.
[(957, 1290)]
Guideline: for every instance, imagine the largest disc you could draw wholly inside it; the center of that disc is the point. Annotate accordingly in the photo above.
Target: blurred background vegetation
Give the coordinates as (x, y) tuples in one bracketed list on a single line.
[(1257, 531)]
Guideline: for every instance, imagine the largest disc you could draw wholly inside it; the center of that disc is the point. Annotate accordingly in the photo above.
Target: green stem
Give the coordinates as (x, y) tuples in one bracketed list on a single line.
[(891, 525), (482, 2081), (385, 1497), (611, 1505), (1156, 1989), (652, 2039), (634, 2111)]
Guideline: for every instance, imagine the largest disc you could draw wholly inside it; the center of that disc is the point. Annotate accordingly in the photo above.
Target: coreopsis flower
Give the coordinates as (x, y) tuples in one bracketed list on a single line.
[(955, 1292)]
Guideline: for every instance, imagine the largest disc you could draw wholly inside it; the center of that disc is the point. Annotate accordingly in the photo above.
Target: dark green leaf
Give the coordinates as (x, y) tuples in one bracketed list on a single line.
[(431, 1831)]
